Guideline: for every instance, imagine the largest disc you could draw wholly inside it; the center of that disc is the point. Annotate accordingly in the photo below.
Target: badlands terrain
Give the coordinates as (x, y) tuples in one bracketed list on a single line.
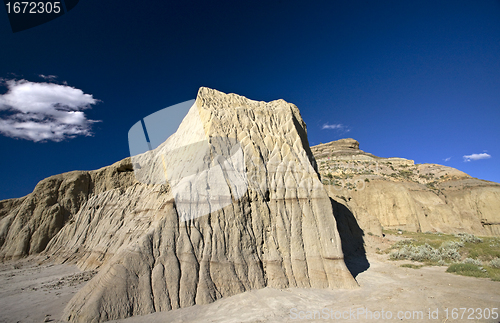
[(399, 194), (30, 292), (234, 218)]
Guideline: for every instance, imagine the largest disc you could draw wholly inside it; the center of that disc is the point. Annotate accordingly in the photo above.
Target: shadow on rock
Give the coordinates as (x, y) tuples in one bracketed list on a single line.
[(351, 237)]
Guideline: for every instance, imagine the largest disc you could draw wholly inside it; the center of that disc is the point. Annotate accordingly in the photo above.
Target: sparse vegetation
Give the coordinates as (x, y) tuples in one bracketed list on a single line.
[(412, 266), (467, 237), (426, 253), (495, 263), (406, 173), (464, 253), (467, 270)]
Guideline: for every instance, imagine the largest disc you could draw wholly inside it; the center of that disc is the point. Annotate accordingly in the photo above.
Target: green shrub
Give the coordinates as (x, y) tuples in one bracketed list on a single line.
[(467, 270), (406, 173), (472, 261), (495, 263), (406, 249), (412, 266), (482, 255), (467, 237), (431, 185), (451, 245), (425, 253)]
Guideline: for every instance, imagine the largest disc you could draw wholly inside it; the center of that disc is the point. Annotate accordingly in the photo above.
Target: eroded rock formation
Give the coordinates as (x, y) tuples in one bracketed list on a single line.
[(232, 201), (265, 219), (27, 224), (394, 193)]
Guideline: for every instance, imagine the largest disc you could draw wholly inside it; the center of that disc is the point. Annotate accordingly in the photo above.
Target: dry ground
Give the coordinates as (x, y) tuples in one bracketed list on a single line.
[(31, 292)]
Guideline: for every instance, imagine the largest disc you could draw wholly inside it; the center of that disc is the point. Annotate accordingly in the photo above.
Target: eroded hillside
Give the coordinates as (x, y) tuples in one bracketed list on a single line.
[(397, 193)]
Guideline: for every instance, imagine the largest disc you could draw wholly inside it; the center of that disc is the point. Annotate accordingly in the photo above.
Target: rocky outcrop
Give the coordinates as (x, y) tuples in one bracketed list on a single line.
[(230, 202), (347, 148), (29, 223), (394, 193)]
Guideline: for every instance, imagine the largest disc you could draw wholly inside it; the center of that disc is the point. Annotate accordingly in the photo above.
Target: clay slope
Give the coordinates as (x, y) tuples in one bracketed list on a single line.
[(230, 202), (394, 193), (27, 224)]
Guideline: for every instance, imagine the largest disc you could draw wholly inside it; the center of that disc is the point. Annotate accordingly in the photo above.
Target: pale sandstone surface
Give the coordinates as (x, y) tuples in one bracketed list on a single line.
[(33, 292), (384, 286), (28, 224), (153, 253), (46, 289), (394, 193), (206, 228)]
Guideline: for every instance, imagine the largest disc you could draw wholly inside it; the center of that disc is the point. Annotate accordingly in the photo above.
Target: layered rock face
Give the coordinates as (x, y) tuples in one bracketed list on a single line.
[(27, 224), (394, 193), (230, 202)]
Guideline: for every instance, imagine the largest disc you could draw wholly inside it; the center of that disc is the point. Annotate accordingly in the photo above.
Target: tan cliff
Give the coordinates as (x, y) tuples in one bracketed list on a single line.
[(240, 207), (234, 200), (394, 193)]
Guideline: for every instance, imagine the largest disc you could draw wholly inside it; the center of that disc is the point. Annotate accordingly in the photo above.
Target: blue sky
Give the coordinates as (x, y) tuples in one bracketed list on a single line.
[(412, 79)]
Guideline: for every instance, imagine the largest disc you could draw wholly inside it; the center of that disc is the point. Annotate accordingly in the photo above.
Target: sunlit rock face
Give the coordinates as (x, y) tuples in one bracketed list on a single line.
[(394, 193), (230, 202)]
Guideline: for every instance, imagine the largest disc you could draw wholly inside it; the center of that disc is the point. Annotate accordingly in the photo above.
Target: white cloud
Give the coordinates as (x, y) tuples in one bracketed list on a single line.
[(44, 111), (48, 77), (468, 158), (337, 126), (447, 159)]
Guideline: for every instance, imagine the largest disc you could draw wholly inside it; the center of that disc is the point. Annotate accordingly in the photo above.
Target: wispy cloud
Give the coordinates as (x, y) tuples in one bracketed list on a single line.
[(44, 111), (338, 126), (447, 159), (48, 77), (468, 158)]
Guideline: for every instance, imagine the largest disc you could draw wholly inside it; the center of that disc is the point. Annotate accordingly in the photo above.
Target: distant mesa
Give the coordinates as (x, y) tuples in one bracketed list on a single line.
[(343, 147), (395, 193)]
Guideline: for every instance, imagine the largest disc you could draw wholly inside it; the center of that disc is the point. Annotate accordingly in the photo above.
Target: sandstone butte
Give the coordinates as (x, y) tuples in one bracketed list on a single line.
[(395, 193), (278, 230), (272, 212)]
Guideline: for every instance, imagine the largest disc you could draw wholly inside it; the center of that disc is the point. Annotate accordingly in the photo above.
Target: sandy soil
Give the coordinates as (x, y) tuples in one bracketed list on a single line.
[(31, 292)]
